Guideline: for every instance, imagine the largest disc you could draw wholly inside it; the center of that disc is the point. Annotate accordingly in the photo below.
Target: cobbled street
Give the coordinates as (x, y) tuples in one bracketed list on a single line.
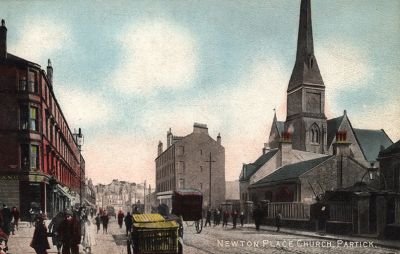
[(210, 240)]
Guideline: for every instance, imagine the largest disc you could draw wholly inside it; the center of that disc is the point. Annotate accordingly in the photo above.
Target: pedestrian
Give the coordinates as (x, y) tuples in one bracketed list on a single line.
[(54, 230), (39, 241), (32, 216), (88, 236), (241, 217), (70, 234), (234, 218), (15, 214), (257, 216), (218, 217), (278, 219), (128, 223), (104, 221), (91, 212), (208, 218), (3, 240), (225, 218), (121, 216), (98, 221), (7, 217)]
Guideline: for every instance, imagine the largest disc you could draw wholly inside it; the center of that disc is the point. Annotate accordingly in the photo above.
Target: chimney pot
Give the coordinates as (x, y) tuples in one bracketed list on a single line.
[(3, 41)]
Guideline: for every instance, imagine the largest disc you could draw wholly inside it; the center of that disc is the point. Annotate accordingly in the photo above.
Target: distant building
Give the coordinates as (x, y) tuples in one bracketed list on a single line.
[(40, 160), (232, 190), (90, 193), (121, 195), (190, 162)]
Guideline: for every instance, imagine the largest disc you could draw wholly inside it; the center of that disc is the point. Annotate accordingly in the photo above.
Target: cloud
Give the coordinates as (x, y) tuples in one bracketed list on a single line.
[(38, 40), (126, 157), (385, 116), (84, 108), (156, 54), (344, 68), (242, 112)]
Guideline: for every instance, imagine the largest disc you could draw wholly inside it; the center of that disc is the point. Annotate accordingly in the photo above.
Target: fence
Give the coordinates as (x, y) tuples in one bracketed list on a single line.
[(340, 211), (289, 211)]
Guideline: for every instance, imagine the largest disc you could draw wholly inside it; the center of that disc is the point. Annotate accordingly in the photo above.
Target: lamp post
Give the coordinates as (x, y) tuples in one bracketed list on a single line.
[(80, 141)]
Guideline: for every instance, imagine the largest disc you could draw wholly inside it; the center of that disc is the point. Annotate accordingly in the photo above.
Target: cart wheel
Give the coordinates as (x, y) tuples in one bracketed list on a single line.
[(199, 225)]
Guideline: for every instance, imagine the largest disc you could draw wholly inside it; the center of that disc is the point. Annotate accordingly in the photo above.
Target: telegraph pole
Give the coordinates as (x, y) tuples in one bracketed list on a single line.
[(210, 161)]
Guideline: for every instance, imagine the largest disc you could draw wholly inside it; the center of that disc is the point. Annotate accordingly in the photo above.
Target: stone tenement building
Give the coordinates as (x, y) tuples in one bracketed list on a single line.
[(121, 195), (195, 161), (308, 154), (40, 158)]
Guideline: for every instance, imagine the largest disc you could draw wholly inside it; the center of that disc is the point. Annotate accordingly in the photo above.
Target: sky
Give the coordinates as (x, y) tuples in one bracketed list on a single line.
[(127, 71)]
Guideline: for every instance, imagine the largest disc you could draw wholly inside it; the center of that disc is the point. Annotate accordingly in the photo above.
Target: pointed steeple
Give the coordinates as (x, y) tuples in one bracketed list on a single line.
[(305, 71)]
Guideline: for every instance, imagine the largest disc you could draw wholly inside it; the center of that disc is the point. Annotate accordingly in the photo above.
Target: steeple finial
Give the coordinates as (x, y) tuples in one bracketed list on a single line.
[(275, 119), (306, 69)]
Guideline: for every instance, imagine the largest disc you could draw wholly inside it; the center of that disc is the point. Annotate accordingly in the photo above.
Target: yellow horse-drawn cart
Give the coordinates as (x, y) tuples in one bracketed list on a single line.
[(152, 233)]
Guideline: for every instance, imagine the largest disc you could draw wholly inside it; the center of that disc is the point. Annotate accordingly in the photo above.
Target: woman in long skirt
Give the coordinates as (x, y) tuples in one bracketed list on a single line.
[(39, 240), (88, 235)]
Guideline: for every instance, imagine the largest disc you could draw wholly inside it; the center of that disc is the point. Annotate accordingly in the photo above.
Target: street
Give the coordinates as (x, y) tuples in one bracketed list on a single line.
[(248, 240), (213, 240)]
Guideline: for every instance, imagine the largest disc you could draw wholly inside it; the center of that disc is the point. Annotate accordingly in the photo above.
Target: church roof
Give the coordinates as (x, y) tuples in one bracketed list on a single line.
[(333, 127), (372, 142), (249, 169), (394, 148), (291, 171)]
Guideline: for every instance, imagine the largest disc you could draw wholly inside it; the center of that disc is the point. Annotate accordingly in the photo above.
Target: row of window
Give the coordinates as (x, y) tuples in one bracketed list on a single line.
[(166, 185)]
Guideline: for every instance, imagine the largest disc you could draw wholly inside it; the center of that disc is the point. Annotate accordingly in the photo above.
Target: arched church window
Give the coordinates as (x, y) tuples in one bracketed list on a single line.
[(315, 134)]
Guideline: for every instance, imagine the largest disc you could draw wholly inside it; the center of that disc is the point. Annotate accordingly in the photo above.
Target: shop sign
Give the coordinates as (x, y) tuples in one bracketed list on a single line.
[(36, 178)]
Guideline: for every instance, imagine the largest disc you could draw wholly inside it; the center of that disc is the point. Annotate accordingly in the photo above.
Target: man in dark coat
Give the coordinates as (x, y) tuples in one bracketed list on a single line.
[(54, 229), (98, 222), (128, 222), (7, 217), (39, 240), (257, 216), (208, 218), (278, 220), (70, 234), (104, 220), (225, 218), (121, 216), (234, 218), (15, 215)]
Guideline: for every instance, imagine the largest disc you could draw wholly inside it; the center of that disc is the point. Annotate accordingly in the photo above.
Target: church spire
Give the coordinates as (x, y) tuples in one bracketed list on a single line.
[(305, 71)]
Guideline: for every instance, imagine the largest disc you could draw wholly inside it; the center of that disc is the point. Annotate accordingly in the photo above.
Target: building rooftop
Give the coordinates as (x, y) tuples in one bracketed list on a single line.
[(249, 169), (291, 171), (372, 142)]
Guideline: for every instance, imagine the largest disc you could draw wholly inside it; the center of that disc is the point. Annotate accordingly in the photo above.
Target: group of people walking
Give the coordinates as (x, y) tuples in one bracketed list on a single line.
[(217, 214), (67, 230)]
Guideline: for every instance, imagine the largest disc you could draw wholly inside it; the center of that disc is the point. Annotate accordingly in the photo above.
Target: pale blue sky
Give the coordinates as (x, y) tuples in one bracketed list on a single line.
[(224, 63)]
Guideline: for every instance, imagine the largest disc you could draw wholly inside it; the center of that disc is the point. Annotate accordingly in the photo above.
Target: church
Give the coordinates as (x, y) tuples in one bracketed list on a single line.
[(308, 154)]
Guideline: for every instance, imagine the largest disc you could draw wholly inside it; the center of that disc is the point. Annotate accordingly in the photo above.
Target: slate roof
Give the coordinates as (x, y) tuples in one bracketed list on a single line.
[(394, 148), (291, 171), (16, 59), (249, 169), (333, 127), (372, 142)]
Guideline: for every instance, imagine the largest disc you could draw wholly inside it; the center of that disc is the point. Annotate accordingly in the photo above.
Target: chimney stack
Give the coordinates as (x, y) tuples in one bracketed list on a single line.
[(285, 147), (219, 138), (160, 147), (341, 146), (169, 138), (3, 41), (200, 128), (50, 72)]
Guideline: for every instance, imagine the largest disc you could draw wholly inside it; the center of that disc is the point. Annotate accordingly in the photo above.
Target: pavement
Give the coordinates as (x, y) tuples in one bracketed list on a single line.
[(347, 238)]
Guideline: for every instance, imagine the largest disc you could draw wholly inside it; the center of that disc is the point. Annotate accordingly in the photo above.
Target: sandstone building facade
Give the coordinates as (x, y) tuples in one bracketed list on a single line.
[(195, 161)]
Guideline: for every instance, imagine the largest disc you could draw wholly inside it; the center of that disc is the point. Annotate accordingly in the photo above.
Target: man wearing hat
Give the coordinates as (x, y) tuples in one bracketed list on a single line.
[(70, 234)]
